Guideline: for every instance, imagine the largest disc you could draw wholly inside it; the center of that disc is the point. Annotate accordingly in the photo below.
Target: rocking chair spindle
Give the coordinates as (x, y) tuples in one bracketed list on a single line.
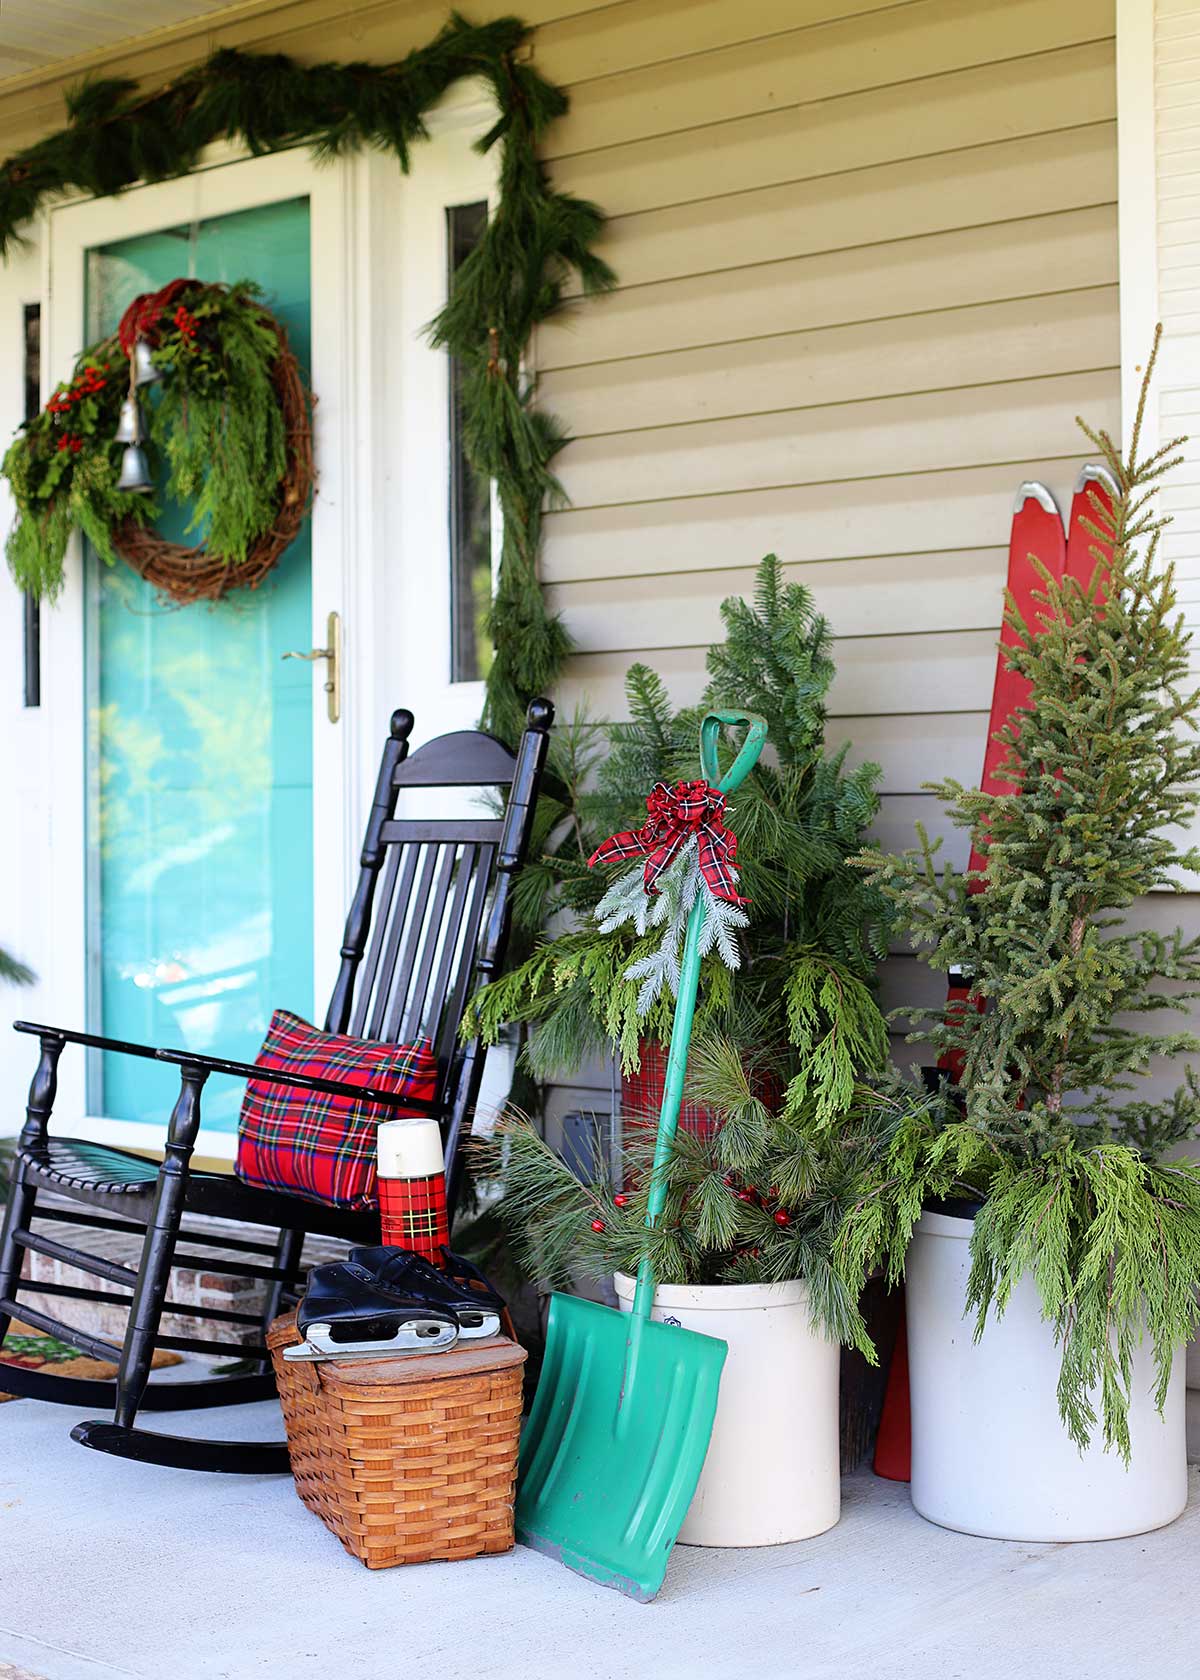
[(428, 924)]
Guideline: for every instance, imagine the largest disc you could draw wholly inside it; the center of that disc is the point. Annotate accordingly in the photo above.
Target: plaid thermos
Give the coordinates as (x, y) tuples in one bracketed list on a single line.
[(412, 1187)]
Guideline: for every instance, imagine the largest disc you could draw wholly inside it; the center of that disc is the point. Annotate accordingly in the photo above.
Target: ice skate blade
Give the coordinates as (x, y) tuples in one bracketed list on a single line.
[(486, 1324), (305, 1353), (415, 1335)]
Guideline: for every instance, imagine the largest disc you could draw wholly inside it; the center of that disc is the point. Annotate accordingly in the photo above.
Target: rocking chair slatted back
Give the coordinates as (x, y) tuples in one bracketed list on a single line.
[(430, 913)]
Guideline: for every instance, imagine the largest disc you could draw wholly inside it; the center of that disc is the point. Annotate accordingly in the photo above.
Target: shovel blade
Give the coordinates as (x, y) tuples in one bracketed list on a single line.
[(615, 1442)]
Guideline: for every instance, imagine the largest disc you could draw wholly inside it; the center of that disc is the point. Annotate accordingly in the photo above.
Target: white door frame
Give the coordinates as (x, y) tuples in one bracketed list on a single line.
[(380, 519)]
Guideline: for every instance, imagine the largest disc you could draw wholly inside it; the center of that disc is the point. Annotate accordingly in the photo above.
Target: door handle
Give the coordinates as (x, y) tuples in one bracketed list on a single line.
[(332, 654)]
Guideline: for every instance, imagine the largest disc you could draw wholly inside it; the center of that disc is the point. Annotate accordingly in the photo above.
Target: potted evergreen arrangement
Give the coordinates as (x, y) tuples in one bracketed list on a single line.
[(786, 1028), (817, 929), (744, 1252), (1040, 1197)]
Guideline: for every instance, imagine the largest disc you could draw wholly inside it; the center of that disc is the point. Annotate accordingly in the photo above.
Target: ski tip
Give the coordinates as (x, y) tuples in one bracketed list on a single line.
[(1032, 490), (1093, 473)]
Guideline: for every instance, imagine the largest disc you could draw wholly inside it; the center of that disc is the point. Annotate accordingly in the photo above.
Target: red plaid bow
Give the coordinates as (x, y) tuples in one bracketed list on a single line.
[(675, 815)]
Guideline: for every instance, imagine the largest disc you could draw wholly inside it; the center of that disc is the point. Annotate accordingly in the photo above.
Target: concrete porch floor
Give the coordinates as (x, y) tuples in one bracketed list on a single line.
[(109, 1569)]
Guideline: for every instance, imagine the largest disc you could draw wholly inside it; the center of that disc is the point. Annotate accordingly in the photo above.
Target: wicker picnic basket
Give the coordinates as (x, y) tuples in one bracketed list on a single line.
[(406, 1459)]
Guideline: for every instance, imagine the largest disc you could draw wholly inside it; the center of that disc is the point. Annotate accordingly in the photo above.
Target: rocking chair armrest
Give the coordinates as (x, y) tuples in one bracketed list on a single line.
[(237, 1070), (94, 1041), (302, 1081)]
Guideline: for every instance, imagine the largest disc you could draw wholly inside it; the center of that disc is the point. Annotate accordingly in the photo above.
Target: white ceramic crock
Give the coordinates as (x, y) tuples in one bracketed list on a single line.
[(772, 1472), (990, 1455)]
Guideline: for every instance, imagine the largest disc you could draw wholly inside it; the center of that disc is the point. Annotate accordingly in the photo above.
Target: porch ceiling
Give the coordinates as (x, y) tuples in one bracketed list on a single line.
[(38, 35)]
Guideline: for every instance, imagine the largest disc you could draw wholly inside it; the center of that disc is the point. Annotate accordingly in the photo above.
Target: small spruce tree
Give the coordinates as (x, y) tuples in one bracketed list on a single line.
[(1105, 767), (1046, 1126)]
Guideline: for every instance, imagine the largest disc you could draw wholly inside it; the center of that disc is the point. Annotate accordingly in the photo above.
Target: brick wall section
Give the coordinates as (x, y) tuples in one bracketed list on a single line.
[(190, 1287)]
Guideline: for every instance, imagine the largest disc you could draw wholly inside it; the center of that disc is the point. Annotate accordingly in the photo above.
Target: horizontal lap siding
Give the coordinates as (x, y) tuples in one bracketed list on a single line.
[(867, 260), (867, 263), (1177, 136), (867, 266)]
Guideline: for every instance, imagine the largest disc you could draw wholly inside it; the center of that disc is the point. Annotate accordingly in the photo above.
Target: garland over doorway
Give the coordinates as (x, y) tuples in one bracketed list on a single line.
[(535, 241)]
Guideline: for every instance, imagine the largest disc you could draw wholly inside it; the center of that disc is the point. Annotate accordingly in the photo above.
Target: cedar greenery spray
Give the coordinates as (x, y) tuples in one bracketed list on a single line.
[(1047, 1126)]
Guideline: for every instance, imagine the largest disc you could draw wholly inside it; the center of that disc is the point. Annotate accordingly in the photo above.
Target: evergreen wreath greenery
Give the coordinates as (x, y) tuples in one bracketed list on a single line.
[(216, 419), (1046, 1128), (535, 241), (803, 1000)]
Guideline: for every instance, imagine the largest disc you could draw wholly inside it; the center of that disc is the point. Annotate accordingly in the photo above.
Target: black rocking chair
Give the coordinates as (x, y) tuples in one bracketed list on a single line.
[(428, 924)]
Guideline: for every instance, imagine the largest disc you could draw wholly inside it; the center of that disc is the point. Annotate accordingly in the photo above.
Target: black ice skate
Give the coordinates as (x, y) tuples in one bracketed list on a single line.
[(345, 1314)]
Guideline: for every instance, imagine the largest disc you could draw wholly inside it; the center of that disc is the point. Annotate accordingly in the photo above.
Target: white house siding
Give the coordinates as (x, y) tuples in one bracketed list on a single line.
[(1173, 274), (1159, 176)]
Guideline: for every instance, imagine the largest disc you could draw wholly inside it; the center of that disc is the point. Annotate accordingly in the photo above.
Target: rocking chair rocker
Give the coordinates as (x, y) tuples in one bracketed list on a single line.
[(429, 923)]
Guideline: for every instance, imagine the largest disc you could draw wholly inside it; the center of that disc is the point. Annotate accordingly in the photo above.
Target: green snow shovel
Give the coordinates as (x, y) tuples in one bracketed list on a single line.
[(624, 1409)]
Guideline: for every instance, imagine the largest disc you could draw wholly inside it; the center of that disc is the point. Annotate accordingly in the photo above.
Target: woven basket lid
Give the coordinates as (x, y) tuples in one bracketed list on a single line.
[(468, 1359)]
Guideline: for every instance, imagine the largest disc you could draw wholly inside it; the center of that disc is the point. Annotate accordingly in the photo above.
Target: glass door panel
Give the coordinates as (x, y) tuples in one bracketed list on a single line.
[(200, 745)]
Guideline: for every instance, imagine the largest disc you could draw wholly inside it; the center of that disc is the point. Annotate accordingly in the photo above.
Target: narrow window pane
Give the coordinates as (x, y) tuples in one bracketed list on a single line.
[(33, 391), (470, 497)]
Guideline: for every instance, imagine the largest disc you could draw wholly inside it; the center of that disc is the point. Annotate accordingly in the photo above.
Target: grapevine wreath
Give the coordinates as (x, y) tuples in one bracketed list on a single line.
[(201, 378)]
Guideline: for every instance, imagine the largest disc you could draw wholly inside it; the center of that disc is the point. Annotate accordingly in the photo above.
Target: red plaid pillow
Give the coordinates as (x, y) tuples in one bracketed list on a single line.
[(310, 1143)]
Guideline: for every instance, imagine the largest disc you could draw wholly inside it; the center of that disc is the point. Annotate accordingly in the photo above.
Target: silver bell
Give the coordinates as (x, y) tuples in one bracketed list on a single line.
[(135, 472), (144, 370), (129, 429)]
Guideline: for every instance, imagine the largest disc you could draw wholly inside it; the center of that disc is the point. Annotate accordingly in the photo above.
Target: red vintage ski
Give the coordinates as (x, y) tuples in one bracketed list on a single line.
[(1037, 535), (1084, 550)]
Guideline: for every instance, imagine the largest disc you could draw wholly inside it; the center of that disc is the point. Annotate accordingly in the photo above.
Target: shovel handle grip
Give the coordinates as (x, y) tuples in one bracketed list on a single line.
[(747, 758), (689, 980)]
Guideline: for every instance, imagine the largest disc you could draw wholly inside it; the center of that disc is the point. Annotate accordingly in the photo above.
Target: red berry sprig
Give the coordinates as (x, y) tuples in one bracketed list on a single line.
[(84, 384), (620, 1199), (598, 1225)]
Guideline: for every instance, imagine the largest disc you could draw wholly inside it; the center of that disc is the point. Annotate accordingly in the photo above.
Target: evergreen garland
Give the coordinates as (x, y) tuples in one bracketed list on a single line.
[(1041, 1129), (515, 279)]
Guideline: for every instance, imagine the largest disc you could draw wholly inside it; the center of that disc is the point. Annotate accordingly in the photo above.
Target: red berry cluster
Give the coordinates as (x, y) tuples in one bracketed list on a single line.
[(620, 1200), (748, 1193), (74, 444), (84, 384), (185, 321)]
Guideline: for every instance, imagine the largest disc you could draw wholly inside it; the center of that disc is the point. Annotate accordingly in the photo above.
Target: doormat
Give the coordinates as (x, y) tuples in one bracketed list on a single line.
[(29, 1348)]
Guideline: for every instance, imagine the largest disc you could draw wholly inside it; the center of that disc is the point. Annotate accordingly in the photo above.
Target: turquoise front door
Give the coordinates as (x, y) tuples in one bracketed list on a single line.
[(200, 767)]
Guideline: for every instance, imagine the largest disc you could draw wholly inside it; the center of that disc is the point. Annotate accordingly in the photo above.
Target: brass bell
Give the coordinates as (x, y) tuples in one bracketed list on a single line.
[(144, 370), (129, 429), (135, 471)]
